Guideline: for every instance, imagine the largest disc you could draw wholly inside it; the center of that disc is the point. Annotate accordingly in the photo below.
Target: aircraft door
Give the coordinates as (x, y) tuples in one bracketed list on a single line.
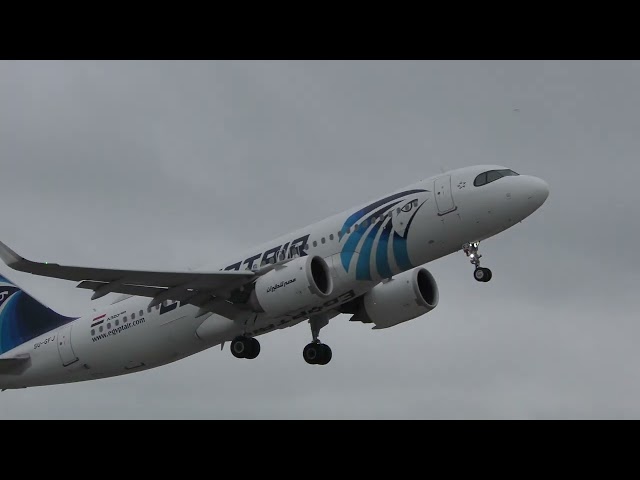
[(444, 195), (67, 355)]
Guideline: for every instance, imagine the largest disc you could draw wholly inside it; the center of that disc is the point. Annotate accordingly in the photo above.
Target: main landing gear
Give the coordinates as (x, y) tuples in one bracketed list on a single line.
[(245, 347), (317, 353), (481, 274)]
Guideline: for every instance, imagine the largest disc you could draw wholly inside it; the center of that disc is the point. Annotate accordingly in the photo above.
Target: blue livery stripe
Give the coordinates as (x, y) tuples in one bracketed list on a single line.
[(382, 256), (401, 252), (400, 248), (354, 218), (363, 268), (352, 242)]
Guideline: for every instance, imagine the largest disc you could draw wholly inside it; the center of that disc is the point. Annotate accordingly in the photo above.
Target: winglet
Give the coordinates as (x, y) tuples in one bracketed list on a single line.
[(15, 261), (9, 256)]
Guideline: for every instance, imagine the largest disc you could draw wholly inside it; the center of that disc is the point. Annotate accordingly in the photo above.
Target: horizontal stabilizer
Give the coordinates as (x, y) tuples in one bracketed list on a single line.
[(14, 365)]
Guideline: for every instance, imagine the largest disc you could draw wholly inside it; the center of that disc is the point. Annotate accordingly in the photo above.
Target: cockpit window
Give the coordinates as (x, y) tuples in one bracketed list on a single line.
[(480, 179), (492, 176)]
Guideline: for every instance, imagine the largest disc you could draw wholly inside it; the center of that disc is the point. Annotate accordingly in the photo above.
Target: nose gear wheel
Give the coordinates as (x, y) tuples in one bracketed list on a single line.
[(481, 274)]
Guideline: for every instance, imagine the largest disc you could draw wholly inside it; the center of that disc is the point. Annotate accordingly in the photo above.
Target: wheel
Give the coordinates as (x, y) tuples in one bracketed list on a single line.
[(326, 355), (240, 347), (312, 353), (317, 354), (254, 348), (482, 274)]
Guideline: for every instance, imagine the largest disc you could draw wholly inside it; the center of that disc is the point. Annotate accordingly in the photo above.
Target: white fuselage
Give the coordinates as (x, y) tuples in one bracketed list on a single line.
[(446, 211)]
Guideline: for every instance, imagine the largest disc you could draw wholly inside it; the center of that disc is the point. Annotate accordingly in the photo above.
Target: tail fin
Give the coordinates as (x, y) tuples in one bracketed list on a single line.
[(22, 317)]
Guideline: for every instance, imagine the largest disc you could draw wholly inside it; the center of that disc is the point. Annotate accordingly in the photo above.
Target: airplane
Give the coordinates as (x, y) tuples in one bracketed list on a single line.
[(367, 262)]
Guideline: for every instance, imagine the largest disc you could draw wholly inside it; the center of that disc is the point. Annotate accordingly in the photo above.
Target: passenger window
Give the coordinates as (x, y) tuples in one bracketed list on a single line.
[(93, 332), (117, 323), (323, 240), (108, 326), (315, 244), (124, 319), (398, 211), (141, 313), (148, 309), (101, 329), (306, 246), (415, 203), (133, 315), (331, 237)]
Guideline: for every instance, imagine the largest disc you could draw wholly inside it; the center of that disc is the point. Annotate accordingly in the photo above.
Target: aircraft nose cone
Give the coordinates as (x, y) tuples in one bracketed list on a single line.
[(542, 190), (538, 191)]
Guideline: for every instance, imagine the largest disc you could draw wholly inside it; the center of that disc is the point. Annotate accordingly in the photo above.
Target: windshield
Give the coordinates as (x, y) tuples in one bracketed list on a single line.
[(492, 175)]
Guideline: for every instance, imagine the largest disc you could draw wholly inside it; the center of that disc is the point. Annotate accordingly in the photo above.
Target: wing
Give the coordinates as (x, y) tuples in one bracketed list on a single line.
[(208, 290)]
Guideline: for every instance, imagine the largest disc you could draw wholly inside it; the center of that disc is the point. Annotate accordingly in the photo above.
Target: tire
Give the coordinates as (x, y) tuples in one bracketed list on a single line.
[(254, 348), (312, 353), (326, 355)]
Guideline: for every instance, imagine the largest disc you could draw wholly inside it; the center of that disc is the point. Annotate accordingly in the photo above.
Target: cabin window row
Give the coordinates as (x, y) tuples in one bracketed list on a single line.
[(377, 218), (125, 319), (293, 251)]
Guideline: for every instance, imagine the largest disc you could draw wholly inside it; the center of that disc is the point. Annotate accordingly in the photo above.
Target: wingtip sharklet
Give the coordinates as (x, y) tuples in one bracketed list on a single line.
[(9, 256)]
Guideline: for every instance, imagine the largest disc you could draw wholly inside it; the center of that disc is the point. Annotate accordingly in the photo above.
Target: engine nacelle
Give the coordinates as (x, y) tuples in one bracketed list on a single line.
[(405, 297), (299, 283)]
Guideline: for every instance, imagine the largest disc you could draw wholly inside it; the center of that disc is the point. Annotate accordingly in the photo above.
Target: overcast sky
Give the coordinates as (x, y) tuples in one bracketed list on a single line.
[(168, 165)]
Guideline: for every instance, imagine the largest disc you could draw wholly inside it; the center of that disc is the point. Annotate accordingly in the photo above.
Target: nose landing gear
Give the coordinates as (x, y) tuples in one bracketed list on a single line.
[(481, 274)]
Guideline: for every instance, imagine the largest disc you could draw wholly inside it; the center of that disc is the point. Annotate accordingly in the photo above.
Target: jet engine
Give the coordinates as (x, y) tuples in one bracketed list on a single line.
[(405, 297), (289, 287)]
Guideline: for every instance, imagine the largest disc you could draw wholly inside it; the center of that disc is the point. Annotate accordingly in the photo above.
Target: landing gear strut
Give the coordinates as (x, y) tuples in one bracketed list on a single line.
[(245, 347), (481, 274), (317, 353)]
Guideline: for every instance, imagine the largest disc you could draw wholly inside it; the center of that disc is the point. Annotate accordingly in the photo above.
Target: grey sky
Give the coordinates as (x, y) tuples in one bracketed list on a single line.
[(175, 164)]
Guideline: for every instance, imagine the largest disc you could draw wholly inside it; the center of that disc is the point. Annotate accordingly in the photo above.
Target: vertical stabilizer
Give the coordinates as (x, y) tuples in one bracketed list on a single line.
[(22, 317)]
